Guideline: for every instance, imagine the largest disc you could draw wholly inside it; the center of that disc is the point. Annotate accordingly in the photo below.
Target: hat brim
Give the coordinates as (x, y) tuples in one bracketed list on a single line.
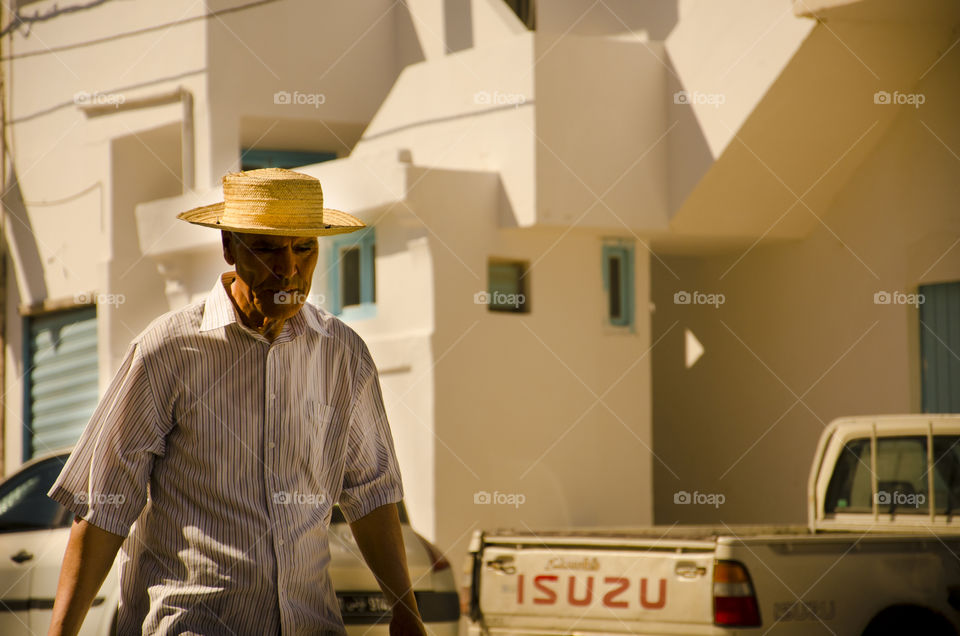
[(335, 222)]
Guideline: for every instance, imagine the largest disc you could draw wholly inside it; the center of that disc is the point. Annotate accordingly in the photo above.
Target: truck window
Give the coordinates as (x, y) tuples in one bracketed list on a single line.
[(902, 475), (946, 473), (849, 489)]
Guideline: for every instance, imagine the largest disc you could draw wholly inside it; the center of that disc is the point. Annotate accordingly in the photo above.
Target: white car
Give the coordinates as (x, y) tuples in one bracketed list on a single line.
[(33, 537)]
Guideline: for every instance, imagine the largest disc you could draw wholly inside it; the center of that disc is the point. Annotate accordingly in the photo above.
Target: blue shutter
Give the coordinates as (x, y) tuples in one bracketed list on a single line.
[(61, 381), (365, 240), (940, 347)]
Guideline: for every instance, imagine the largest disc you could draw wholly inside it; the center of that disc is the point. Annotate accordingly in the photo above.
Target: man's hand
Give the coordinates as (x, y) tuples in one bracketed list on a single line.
[(381, 543), (90, 553), (404, 624)]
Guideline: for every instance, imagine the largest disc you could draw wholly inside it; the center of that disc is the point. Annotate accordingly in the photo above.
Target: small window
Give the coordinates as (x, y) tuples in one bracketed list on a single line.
[(902, 475), (507, 290), (901, 478), (618, 283), (353, 290), (946, 474), (253, 158), (851, 485)]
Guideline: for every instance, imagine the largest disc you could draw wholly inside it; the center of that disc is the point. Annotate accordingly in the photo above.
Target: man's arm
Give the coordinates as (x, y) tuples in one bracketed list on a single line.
[(381, 543), (90, 553)]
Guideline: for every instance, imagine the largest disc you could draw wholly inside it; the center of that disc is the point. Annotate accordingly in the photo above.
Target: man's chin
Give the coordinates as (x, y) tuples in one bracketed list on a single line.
[(274, 311), (286, 312)]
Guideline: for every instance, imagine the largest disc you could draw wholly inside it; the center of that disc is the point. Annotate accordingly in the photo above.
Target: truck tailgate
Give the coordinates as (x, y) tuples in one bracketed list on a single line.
[(562, 587)]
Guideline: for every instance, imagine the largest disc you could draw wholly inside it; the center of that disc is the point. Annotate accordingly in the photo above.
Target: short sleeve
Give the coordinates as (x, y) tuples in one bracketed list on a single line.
[(105, 479), (371, 474)]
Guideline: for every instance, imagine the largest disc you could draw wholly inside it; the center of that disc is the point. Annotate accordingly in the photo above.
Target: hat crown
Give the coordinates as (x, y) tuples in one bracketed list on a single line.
[(261, 196), (272, 184), (272, 201)]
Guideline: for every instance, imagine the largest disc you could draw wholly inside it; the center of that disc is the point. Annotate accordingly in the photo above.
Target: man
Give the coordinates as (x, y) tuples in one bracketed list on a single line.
[(231, 428)]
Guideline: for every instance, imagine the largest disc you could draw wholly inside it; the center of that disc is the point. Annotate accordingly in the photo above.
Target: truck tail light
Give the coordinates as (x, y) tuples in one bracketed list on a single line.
[(734, 602)]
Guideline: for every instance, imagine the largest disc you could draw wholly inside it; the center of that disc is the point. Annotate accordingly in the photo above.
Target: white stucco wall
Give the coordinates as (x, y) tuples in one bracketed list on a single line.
[(805, 313)]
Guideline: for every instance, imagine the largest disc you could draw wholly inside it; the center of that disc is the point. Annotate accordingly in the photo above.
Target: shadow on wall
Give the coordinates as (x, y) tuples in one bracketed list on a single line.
[(410, 51), (506, 215), (22, 243), (457, 24), (688, 154)]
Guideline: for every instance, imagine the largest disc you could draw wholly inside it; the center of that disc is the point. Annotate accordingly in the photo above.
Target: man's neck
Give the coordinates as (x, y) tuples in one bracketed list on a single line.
[(269, 328)]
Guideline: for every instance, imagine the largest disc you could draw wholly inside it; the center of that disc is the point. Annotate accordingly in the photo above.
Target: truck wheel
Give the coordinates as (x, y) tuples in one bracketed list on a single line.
[(896, 621)]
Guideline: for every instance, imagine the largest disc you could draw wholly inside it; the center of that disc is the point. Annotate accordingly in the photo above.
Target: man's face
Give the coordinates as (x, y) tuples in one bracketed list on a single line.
[(273, 272)]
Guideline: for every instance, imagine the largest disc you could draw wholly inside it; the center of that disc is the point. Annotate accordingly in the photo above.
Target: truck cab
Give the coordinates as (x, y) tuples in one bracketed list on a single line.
[(887, 473)]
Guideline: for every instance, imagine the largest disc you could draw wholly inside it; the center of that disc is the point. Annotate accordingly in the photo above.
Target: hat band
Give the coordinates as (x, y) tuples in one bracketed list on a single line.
[(272, 213)]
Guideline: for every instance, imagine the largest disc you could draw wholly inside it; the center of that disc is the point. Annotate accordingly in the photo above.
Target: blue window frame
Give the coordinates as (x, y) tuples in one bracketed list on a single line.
[(253, 158), (618, 282), (352, 270)]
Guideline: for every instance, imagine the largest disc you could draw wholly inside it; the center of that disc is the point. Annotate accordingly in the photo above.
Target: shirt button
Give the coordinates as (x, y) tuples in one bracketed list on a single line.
[(280, 542), (273, 396), (270, 445)]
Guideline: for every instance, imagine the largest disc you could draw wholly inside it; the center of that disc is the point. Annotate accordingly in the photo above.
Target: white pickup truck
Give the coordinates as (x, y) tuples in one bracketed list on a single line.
[(880, 555)]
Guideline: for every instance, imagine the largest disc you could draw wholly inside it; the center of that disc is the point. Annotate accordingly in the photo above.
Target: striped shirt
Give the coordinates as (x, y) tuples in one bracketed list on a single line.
[(219, 455)]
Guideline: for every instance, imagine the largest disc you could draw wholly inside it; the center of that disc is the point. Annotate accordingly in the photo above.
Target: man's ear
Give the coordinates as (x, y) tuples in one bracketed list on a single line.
[(228, 239)]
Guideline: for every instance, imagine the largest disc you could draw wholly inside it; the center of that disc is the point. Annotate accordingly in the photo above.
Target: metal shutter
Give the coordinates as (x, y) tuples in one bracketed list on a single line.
[(61, 379), (940, 347)]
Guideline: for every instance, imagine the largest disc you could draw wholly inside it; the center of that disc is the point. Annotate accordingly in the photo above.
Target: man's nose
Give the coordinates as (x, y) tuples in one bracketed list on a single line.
[(284, 264)]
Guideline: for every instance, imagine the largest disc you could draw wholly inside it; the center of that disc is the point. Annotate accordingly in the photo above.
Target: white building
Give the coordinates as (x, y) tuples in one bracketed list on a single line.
[(618, 154)]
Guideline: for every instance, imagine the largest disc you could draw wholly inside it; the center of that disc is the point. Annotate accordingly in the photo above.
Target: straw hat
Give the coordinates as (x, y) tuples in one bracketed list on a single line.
[(272, 201)]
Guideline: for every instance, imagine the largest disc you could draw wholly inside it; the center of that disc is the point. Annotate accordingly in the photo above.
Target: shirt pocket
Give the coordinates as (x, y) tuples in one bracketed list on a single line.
[(310, 431)]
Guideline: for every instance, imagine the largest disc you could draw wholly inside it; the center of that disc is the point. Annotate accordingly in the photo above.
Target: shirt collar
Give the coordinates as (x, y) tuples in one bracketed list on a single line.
[(218, 311)]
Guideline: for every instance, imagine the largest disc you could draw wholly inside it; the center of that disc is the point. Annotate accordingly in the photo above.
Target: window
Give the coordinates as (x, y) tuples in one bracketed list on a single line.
[(506, 285), (618, 282), (901, 477), (850, 486), (60, 388), (939, 344), (352, 271), (24, 504), (946, 475), (253, 158)]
